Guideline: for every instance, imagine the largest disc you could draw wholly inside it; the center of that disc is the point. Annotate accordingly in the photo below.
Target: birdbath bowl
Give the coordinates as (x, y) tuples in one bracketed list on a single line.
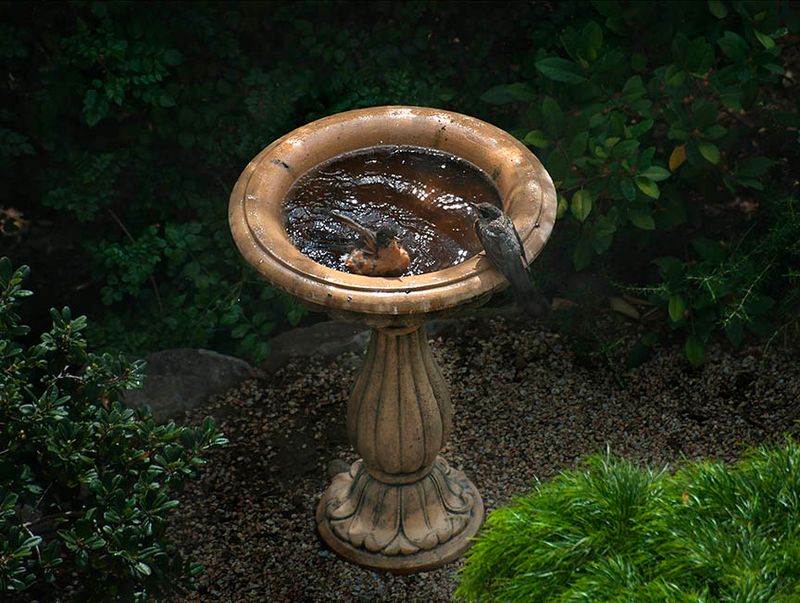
[(401, 507)]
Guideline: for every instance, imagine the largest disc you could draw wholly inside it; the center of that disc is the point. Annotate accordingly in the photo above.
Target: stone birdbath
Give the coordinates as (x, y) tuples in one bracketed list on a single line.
[(401, 507)]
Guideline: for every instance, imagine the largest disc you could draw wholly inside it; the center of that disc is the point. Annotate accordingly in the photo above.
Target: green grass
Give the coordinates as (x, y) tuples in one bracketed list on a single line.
[(615, 532)]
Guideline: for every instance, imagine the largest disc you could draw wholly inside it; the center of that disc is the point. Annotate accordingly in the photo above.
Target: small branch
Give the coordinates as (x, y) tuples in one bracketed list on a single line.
[(45, 519), (32, 535), (740, 118), (132, 240)]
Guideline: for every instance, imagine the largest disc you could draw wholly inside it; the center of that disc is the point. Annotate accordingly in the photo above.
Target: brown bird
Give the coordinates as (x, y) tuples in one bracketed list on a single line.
[(382, 253), (505, 251)]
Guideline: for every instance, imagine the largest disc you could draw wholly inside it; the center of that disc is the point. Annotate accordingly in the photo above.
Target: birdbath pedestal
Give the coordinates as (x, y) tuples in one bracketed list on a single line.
[(401, 507)]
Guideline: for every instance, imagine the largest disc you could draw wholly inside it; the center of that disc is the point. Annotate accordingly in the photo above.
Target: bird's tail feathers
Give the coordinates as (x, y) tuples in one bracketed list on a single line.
[(527, 298)]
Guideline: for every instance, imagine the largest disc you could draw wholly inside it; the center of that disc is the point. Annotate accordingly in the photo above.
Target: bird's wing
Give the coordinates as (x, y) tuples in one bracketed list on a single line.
[(366, 233), (497, 242), (503, 251), (519, 240)]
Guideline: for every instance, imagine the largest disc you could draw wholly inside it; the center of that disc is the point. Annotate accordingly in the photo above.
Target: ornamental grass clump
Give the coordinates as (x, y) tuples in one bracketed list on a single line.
[(615, 532), (86, 484)]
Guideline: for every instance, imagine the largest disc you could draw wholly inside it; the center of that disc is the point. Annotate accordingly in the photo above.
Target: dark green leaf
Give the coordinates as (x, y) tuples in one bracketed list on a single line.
[(637, 130), (537, 138), (557, 164), (734, 46), (704, 113), (699, 56), (633, 88), (508, 93), (593, 40), (553, 116), (166, 100), (578, 145), (670, 268), (674, 76), (560, 70), (655, 173), (173, 57), (717, 8), (95, 107), (765, 39), (753, 167), (628, 188), (563, 205), (624, 149), (709, 151), (641, 216), (695, 350), (734, 330), (647, 186), (714, 132), (676, 308), (240, 330), (711, 251), (581, 205), (521, 91), (143, 568), (604, 229)]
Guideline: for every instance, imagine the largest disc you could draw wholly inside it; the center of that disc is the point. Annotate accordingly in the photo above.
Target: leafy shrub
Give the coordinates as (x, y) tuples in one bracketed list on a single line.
[(661, 129), (616, 532), (86, 484), (136, 121)]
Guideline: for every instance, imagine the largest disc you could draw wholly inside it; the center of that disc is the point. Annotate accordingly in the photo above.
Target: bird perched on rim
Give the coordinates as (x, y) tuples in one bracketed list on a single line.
[(505, 251), (382, 253)]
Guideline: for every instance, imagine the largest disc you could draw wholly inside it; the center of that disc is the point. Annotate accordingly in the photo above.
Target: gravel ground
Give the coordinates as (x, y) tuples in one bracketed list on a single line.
[(523, 409)]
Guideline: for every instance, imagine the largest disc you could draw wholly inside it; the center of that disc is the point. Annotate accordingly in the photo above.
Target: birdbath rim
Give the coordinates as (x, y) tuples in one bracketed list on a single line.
[(256, 210)]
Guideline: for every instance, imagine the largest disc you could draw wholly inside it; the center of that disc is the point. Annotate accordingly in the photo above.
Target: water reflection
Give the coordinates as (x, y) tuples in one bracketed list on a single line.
[(426, 194)]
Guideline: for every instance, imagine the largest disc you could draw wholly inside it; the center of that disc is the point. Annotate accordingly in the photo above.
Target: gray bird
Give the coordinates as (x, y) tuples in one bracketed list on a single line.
[(505, 251)]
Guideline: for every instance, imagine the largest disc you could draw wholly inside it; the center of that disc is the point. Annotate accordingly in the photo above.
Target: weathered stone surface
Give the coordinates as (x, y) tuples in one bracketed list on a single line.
[(179, 379), (332, 339), (327, 339)]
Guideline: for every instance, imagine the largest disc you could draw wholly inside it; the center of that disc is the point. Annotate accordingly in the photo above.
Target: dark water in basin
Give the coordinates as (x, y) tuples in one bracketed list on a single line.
[(425, 193)]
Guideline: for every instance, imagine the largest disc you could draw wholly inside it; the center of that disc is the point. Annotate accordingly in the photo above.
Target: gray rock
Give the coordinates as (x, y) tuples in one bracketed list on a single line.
[(327, 339), (335, 467), (180, 379), (332, 339)]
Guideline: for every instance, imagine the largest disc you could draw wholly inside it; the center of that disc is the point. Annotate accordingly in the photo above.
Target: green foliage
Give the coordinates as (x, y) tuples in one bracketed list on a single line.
[(141, 120), (131, 125), (644, 139), (86, 484), (615, 532)]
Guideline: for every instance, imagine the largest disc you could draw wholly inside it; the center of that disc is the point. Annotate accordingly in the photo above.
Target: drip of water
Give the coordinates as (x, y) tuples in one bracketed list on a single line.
[(426, 194)]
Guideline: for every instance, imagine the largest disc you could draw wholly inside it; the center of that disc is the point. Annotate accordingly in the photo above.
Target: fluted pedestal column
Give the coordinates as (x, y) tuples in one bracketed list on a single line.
[(400, 508)]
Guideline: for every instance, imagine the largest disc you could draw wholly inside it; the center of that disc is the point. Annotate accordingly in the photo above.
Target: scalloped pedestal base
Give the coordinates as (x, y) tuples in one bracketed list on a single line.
[(401, 528)]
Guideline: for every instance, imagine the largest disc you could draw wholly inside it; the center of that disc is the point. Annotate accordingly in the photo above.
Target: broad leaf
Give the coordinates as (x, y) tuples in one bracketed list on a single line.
[(734, 46), (676, 308), (641, 217), (536, 138), (647, 186), (655, 173), (581, 205), (709, 151), (561, 70), (695, 350)]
